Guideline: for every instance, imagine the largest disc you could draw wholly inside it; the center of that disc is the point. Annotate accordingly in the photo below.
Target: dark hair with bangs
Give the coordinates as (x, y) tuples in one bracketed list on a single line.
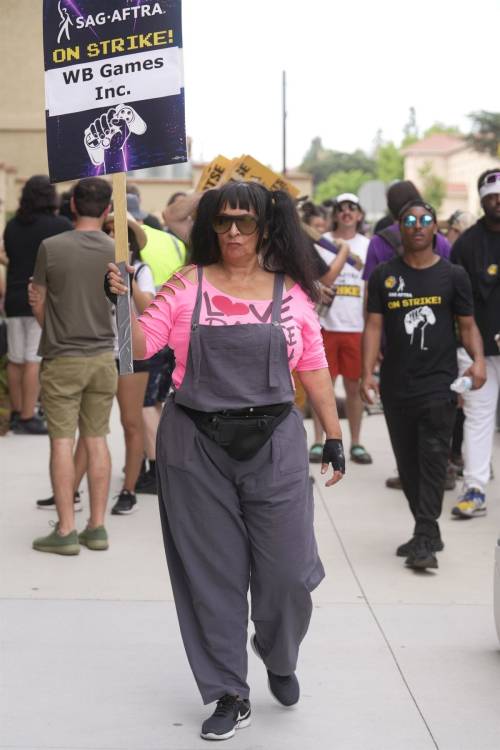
[(38, 197), (287, 247)]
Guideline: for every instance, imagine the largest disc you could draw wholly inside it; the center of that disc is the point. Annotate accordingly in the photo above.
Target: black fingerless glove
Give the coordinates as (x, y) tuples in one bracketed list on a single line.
[(113, 298), (333, 453)]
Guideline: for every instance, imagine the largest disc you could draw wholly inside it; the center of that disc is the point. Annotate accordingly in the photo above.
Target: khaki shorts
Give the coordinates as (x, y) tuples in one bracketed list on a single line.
[(78, 391), (23, 339)]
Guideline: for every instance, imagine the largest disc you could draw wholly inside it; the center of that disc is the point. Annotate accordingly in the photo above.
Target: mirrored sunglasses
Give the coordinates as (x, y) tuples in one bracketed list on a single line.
[(411, 221), (245, 224)]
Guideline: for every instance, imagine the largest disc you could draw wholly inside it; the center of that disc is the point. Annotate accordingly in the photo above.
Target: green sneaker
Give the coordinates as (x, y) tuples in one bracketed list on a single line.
[(94, 538), (57, 543)]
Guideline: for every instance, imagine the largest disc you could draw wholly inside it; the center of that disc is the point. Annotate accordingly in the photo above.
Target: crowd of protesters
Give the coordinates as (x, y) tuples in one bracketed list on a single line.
[(409, 318), (421, 309)]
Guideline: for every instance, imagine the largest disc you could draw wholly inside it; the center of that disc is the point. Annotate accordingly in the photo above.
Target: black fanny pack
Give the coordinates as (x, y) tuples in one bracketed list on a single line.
[(241, 432)]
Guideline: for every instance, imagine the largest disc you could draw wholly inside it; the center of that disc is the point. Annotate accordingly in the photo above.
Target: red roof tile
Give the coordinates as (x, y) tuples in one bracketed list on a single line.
[(435, 142)]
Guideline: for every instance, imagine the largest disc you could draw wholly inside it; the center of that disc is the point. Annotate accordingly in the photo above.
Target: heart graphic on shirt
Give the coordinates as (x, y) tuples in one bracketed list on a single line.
[(228, 307)]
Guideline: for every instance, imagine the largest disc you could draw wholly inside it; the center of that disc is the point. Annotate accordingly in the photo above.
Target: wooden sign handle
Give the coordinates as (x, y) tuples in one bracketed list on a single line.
[(120, 212)]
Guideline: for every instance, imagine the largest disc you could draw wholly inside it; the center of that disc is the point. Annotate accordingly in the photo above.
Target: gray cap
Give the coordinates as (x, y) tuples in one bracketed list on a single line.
[(134, 208)]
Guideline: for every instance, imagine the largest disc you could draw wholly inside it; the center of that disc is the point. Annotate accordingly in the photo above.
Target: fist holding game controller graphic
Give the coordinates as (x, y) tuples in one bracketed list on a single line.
[(106, 137)]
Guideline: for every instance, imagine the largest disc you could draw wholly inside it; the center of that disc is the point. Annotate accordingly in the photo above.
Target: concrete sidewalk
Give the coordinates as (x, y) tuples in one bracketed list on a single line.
[(394, 660)]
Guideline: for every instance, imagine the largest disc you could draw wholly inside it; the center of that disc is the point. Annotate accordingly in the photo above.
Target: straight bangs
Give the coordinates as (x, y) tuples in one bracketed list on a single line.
[(236, 196)]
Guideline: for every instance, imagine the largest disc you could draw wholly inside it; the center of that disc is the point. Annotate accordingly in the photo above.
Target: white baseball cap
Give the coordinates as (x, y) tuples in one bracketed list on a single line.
[(347, 197), (491, 184)]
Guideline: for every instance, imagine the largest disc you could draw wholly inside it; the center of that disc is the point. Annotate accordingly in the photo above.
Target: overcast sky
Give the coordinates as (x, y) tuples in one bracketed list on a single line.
[(352, 67)]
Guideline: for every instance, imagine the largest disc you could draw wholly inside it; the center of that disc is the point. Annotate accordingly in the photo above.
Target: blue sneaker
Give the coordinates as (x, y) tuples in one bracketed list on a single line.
[(471, 504)]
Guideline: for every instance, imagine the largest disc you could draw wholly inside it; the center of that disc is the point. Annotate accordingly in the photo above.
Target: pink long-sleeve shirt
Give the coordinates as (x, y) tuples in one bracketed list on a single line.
[(168, 321)]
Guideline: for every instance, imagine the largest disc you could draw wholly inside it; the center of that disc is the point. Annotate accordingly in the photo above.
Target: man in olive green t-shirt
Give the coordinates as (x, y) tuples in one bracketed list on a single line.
[(78, 374)]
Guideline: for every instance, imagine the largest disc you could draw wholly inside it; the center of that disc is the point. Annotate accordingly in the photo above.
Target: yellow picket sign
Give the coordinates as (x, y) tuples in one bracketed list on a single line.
[(212, 173)]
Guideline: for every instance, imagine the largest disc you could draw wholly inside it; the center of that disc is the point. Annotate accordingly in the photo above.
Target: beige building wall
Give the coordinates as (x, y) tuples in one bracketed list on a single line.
[(22, 97), (457, 164)]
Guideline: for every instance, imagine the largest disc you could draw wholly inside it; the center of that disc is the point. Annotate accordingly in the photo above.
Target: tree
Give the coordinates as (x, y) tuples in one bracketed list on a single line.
[(378, 142), (341, 182), (440, 127), (321, 163), (434, 188), (390, 163), (410, 130), (316, 150), (485, 135)]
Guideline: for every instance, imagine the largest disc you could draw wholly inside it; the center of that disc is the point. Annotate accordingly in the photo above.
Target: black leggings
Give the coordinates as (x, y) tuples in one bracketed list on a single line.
[(420, 437)]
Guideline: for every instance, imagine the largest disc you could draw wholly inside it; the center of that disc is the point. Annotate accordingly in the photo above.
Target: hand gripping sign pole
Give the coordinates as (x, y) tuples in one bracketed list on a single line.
[(114, 102), (125, 357)]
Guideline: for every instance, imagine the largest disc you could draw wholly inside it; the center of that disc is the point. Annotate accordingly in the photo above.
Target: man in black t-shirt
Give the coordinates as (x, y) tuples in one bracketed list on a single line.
[(478, 251), (415, 298)]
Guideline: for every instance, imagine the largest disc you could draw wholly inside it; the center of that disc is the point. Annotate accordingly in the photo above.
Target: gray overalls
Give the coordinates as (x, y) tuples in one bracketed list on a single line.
[(229, 524)]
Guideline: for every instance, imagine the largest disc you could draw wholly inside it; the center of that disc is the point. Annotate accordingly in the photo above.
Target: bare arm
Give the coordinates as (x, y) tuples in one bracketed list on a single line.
[(36, 297), (370, 347), (2, 292), (473, 345), (4, 260), (318, 386), (337, 264), (178, 216)]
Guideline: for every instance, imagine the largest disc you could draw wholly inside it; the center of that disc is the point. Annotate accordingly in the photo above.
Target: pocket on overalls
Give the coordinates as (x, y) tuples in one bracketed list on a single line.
[(237, 372), (292, 443), (176, 437)]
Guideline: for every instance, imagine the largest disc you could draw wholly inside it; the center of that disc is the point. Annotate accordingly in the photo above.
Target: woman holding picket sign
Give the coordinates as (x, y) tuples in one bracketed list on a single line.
[(235, 498)]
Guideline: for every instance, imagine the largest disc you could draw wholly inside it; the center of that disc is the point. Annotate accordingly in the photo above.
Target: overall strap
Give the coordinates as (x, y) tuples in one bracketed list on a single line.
[(194, 343), (276, 332), (197, 307)]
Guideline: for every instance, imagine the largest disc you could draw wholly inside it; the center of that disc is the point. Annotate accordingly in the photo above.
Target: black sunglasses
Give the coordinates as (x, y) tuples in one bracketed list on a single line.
[(411, 221), (245, 224), (341, 207)]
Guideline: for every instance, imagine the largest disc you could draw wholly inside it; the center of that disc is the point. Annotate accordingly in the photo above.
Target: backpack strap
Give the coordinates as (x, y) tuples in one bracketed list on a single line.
[(393, 239)]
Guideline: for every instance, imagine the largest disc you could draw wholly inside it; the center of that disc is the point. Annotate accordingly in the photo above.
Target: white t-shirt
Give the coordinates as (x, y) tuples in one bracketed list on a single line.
[(145, 282), (347, 312)]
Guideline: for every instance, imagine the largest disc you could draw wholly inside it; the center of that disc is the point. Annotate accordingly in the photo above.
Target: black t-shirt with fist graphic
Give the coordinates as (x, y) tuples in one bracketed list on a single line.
[(419, 306)]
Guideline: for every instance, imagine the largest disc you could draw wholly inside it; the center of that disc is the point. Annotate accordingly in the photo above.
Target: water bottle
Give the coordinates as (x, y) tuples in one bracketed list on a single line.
[(460, 385), (323, 308)]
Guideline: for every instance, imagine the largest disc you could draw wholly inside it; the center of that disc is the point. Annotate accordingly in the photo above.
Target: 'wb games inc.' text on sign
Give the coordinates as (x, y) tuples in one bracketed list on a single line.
[(113, 86)]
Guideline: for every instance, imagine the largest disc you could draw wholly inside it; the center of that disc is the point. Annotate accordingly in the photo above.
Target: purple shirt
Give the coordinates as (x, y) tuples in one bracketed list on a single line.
[(379, 251)]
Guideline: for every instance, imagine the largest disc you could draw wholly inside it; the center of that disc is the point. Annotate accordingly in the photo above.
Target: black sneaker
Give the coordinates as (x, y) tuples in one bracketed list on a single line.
[(33, 426), (14, 419), (285, 690), (421, 555), (231, 714), (146, 484), (437, 545), (126, 504), (50, 503)]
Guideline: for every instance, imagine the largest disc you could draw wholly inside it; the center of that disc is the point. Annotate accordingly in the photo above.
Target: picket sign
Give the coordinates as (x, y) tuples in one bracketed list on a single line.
[(114, 102), (125, 351)]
